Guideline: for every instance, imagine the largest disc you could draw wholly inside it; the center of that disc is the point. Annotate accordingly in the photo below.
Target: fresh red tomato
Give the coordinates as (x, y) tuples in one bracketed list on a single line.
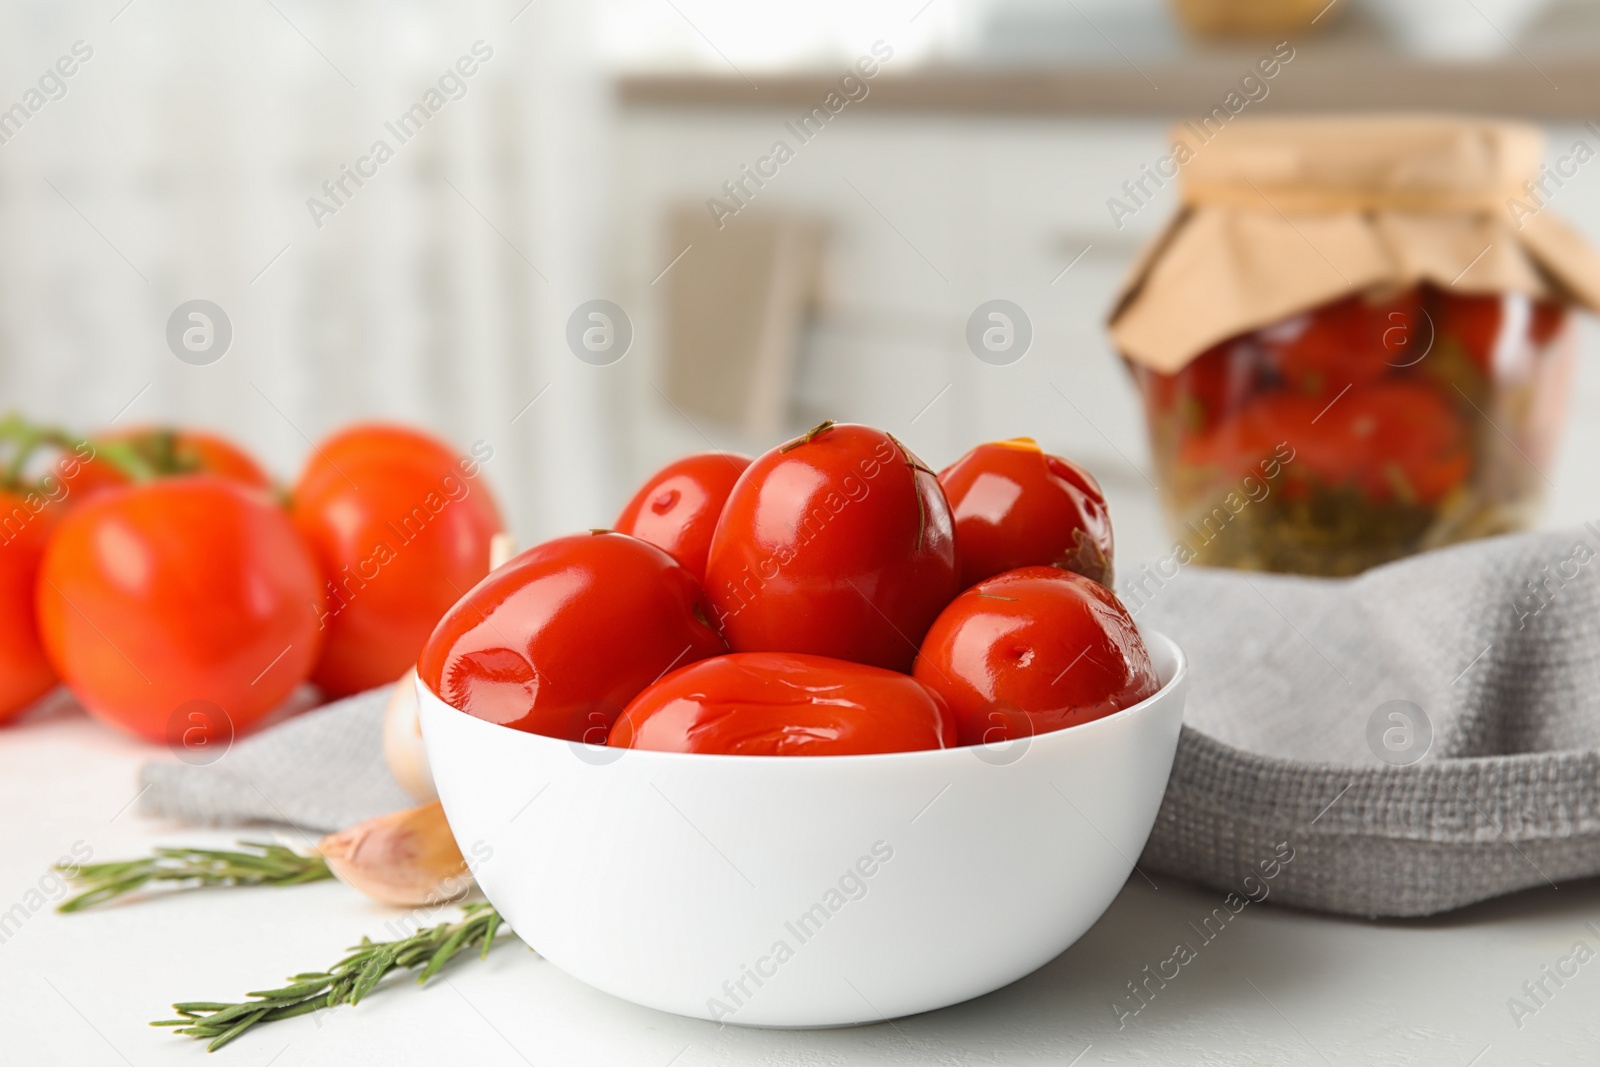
[(85, 471), (784, 704), (1018, 506), (26, 521), (558, 640), (82, 467), (839, 543), (124, 457), (400, 526), (184, 589), (1034, 650), (169, 450), (677, 509)]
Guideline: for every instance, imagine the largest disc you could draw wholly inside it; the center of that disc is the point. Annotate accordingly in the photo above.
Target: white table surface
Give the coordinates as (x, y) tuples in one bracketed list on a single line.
[(1276, 987)]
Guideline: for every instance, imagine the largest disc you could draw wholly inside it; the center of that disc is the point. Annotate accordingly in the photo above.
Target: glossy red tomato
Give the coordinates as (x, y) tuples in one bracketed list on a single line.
[(1018, 506), (558, 640), (1034, 650), (185, 589), (839, 543), (677, 509), (784, 704), (26, 521), (400, 525)]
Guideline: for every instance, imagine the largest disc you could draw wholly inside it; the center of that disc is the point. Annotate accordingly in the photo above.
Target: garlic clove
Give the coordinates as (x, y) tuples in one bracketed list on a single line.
[(502, 546), (407, 858), (403, 750)]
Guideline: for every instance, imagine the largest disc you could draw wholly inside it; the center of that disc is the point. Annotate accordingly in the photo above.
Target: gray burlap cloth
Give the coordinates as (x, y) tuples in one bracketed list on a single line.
[(1425, 736)]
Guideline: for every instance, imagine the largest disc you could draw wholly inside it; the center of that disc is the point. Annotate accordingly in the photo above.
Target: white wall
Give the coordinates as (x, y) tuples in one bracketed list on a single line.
[(179, 164)]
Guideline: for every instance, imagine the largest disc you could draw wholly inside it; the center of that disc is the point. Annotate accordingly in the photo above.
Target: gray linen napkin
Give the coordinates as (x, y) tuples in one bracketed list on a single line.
[(323, 770), (1424, 736)]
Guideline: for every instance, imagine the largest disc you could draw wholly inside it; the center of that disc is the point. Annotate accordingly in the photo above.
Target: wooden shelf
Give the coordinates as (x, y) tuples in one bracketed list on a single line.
[(1554, 90)]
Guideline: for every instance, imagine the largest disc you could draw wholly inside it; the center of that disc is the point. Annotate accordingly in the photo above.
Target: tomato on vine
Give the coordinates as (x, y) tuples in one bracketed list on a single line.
[(400, 525), (181, 590)]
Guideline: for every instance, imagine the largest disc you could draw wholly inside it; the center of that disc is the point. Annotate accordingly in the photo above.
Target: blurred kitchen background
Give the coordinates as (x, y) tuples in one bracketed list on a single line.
[(575, 164)]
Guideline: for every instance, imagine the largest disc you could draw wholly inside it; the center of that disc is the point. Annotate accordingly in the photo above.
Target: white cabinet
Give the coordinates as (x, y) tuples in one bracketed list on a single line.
[(927, 219)]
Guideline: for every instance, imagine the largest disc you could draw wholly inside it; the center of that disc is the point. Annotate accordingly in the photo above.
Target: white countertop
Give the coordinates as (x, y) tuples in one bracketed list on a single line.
[(1276, 987)]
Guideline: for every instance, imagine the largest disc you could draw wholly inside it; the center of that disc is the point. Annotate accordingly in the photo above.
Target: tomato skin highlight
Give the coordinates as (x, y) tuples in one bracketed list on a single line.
[(839, 543), (25, 671), (784, 704), (678, 508), (1034, 650), (400, 526), (558, 640), (1018, 506), (190, 588)]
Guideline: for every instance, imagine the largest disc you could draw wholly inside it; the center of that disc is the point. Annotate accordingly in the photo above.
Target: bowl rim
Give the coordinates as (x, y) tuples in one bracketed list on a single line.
[(1180, 675)]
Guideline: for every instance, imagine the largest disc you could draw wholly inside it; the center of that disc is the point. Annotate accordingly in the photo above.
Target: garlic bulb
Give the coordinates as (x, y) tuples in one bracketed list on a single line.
[(407, 858)]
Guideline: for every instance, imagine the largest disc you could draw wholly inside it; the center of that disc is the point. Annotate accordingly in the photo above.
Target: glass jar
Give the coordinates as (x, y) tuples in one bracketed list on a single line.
[(1363, 430)]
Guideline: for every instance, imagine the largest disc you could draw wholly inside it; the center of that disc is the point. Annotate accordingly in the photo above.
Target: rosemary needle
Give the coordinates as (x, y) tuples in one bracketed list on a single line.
[(346, 982), (252, 863)]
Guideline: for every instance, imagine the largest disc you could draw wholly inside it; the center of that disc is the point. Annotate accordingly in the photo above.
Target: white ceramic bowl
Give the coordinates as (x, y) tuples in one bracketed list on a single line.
[(806, 891)]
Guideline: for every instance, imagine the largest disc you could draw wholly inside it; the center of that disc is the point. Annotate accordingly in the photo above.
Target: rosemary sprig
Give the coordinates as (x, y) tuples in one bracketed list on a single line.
[(253, 863), (346, 982)]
